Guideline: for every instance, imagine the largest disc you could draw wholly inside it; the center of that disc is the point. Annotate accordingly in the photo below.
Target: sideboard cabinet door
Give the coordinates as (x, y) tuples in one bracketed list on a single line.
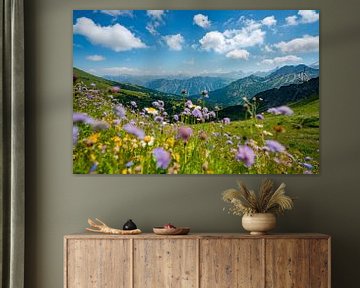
[(297, 263), (165, 263), (231, 263), (98, 263)]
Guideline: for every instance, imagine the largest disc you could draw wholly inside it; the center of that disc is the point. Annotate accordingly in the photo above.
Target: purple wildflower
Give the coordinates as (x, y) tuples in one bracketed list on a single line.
[(133, 103), (158, 119), (285, 110), (176, 117), (115, 89), (186, 112), (188, 104), (158, 104), (259, 117), (100, 125), (163, 158), (129, 164), (184, 133), (132, 129), (165, 113), (212, 114), (282, 110), (308, 158), (273, 111), (226, 120), (116, 122), (93, 167), (246, 155), (274, 146), (120, 111), (205, 110), (197, 113), (75, 134), (82, 118), (308, 166)]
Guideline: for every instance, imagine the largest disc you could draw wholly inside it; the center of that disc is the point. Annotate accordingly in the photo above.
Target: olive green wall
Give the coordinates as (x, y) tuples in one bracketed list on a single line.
[(59, 202)]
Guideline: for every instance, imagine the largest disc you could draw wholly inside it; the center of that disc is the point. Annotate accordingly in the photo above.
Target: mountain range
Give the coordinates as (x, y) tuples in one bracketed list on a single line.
[(233, 93), (223, 90), (282, 86), (275, 97), (192, 85)]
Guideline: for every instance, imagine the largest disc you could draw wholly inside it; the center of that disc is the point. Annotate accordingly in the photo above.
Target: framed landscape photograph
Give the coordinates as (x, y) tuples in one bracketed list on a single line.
[(196, 92)]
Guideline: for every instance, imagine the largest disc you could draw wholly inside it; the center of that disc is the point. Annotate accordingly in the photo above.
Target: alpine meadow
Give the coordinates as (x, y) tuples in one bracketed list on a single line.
[(196, 92)]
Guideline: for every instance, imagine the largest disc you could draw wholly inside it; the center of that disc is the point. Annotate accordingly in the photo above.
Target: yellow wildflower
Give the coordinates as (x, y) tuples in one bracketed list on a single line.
[(117, 140), (170, 141), (176, 157), (92, 139), (92, 157), (151, 111), (147, 141)]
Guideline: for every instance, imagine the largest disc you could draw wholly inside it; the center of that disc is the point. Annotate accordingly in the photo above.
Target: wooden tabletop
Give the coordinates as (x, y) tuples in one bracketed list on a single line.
[(89, 235)]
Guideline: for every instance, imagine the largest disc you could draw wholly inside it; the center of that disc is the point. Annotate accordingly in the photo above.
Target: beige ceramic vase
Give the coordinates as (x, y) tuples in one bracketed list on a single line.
[(259, 223)]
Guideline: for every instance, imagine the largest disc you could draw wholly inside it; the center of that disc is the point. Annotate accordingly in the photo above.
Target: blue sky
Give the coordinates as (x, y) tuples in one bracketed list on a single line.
[(194, 42)]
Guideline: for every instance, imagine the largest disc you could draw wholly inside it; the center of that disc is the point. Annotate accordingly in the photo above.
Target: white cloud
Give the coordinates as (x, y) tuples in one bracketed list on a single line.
[(156, 17), (151, 27), (308, 16), (269, 21), (114, 71), (281, 60), (216, 41), (202, 21), (116, 13), (238, 54), (115, 37), (95, 58), (156, 14), (291, 20), (305, 44), (223, 42), (268, 48), (174, 42), (305, 17)]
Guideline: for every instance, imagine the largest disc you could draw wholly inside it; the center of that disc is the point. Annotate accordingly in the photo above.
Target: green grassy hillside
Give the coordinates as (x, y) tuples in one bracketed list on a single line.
[(139, 143), (128, 92)]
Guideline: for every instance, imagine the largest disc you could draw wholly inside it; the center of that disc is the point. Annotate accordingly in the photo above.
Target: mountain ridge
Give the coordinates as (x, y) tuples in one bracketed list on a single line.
[(275, 97), (233, 93), (193, 85)]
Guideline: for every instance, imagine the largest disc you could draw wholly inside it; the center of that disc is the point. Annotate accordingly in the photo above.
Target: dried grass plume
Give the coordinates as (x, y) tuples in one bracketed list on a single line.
[(267, 200)]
